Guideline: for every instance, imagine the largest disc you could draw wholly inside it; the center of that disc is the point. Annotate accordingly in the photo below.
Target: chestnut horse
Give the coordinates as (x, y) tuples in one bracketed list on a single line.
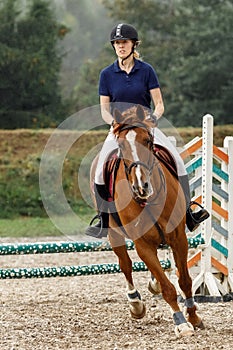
[(151, 206)]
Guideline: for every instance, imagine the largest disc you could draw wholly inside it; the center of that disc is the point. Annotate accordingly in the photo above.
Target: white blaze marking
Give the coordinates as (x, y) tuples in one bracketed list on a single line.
[(131, 137)]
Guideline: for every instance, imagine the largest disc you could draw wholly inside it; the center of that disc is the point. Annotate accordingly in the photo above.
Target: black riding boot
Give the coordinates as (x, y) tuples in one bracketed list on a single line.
[(101, 228), (193, 220)]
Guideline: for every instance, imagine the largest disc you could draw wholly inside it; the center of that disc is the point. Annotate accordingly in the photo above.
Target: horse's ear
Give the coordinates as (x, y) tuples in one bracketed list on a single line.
[(140, 113), (117, 115)]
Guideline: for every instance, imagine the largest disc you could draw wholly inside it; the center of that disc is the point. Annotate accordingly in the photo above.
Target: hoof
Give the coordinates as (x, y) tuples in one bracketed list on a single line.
[(193, 317), (184, 330), (200, 325), (137, 315), (197, 324), (154, 287)]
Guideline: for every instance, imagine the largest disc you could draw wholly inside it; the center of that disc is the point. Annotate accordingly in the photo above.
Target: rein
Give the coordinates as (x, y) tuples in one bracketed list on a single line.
[(135, 125), (145, 204), (162, 187)]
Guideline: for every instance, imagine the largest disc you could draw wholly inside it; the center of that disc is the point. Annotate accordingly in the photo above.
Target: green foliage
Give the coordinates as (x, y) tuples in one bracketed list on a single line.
[(85, 92), (29, 66), (89, 25), (28, 227), (19, 177), (188, 42), (83, 95), (202, 69), (19, 190)]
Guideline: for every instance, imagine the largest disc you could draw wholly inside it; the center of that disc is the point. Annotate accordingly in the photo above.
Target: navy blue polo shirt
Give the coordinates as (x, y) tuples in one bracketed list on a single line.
[(127, 89)]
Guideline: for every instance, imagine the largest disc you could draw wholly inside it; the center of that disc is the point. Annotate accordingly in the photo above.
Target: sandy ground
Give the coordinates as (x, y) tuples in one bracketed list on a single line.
[(91, 312)]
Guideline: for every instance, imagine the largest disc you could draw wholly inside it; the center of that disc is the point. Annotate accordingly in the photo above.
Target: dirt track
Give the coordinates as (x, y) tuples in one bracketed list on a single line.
[(91, 312)]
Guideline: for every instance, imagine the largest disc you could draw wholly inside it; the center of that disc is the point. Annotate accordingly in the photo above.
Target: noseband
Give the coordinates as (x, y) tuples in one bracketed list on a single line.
[(135, 164)]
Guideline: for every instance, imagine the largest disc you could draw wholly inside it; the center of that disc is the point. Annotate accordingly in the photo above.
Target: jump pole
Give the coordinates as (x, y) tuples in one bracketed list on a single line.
[(205, 277), (65, 271), (71, 247), (228, 142)]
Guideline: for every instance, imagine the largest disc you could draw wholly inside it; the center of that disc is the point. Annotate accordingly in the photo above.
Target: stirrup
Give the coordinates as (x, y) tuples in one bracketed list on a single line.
[(97, 231), (192, 221), (97, 216)]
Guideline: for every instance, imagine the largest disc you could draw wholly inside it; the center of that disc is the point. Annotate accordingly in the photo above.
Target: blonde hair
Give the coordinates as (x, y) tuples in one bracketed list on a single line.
[(136, 54)]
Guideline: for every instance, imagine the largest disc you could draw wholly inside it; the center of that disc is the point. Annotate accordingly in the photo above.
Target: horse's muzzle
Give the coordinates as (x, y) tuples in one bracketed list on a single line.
[(144, 191)]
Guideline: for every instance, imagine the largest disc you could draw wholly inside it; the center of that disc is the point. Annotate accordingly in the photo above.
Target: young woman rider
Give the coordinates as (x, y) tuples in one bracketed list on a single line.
[(126, 82)]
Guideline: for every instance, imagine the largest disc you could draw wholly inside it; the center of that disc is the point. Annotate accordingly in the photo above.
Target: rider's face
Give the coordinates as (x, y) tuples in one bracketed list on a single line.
[(123, 48)]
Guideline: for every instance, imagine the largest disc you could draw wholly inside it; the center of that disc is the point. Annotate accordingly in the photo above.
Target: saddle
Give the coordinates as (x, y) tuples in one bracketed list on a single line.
[(164, 156), (110, 172)]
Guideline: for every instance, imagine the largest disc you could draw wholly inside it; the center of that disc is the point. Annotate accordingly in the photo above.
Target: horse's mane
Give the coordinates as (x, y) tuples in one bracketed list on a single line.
[(130, 119)]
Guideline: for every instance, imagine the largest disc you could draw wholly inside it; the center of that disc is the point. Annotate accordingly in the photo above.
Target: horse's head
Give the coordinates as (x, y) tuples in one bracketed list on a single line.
[(135, 142)]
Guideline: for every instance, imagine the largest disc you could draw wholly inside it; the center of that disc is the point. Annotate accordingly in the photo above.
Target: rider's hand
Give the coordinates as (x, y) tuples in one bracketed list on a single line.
[(154, 119)]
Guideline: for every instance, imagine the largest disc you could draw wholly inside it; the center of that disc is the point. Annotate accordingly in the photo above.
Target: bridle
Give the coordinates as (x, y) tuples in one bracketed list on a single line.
[(129, 168), (149, 167)]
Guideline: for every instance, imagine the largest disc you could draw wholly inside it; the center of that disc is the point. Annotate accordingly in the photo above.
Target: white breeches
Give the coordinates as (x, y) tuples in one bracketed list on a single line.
[(110, 144)]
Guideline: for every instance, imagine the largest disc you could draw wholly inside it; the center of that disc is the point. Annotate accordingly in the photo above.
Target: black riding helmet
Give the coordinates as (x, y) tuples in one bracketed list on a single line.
[(123, 31)]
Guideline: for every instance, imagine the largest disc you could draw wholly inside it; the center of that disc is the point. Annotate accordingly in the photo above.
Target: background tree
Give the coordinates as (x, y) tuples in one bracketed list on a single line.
[(89, 23), (201, 71), (188, 42), (29, 66)]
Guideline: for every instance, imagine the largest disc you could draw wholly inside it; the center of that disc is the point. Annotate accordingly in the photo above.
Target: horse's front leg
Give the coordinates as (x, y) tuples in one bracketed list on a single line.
[(137, 307), (148, 253)]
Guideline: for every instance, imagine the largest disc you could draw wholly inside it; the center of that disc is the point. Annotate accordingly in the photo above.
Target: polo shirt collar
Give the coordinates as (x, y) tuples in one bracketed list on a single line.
[(135, 67)]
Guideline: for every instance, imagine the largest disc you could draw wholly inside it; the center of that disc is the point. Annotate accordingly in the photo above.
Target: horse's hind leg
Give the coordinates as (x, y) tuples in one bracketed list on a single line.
[(180, 253), (137, 307)]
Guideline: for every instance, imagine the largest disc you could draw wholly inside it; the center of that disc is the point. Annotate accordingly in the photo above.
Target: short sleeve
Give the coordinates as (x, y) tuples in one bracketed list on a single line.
[(103, 84), (153, 81)]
